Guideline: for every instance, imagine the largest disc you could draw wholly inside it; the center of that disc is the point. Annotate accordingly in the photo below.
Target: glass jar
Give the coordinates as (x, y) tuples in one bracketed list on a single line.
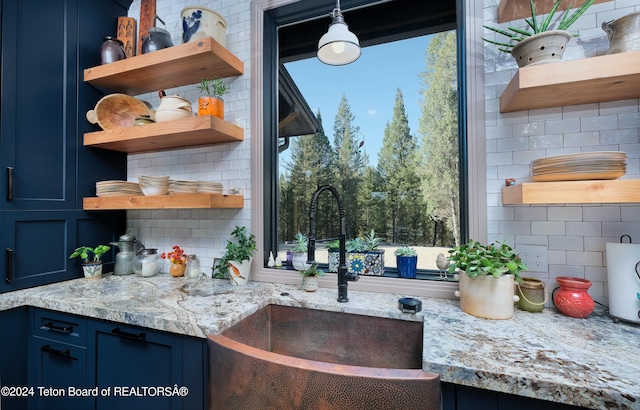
[(147, 263), (193, 267)]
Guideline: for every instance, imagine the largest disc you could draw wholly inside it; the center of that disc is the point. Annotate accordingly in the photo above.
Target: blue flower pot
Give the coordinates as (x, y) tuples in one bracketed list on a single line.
[(407, 266)]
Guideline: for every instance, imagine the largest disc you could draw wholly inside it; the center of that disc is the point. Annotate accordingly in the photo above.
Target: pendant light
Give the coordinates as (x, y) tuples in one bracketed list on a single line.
[(338, 46)]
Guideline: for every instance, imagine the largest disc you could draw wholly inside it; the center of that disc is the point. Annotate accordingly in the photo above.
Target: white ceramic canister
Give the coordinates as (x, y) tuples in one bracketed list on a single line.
[(200, 22), (623, 280)]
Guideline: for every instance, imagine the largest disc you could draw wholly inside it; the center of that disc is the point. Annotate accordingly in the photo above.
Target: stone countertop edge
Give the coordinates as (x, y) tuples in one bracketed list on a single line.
[(593, 362)]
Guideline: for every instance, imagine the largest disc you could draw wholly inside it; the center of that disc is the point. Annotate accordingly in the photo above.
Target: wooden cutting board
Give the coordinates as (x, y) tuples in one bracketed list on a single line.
[(147, 20)]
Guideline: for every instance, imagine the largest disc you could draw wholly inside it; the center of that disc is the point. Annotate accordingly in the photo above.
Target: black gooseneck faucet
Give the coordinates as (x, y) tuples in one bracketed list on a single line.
[(343, 276)]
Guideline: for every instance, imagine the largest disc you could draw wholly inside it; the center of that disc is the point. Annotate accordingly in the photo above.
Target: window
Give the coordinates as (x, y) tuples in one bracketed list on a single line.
[(374, 23)]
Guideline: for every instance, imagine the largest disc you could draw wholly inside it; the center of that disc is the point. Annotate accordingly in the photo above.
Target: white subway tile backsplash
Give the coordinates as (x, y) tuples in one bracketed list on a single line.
[(562, 126), (566, 243), (547, 228), (584, 228), (585, 258), (604, 213), (565, 213), (602, 122)]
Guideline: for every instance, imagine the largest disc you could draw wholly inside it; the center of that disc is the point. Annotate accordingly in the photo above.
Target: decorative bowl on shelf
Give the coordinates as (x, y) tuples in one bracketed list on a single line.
[(172, 114)]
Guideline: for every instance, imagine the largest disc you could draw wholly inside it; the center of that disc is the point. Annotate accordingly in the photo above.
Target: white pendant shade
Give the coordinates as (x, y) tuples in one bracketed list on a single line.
[(338, 46)]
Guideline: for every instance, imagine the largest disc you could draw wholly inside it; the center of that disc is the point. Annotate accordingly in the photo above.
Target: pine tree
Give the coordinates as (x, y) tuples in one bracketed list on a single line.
[(349, 165), (397, 164), (439, 130)]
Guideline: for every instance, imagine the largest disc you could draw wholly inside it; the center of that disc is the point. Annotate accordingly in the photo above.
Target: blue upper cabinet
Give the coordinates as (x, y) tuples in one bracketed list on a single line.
[(45, 47), (45, 170)]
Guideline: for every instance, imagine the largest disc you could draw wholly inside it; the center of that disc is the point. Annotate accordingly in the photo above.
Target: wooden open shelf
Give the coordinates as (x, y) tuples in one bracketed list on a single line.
[(170, 67), (618, 191), (596, 79), (182, 201), (516, 9), (186, 132)]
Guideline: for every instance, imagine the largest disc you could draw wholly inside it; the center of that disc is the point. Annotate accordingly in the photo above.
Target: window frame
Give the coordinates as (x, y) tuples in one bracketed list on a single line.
[(264, 91)]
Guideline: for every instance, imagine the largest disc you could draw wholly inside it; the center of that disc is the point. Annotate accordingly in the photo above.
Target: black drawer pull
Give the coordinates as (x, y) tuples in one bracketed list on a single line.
[(62, 329), (9, 183), (9, 275), (56, 352), (128, 335)]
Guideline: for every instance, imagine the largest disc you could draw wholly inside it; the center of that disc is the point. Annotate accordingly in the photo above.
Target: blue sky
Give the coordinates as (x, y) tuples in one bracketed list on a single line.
[(370, 84)]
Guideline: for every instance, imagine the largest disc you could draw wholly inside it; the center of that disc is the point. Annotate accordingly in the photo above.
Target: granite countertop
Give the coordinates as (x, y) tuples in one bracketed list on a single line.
[(592, 362)]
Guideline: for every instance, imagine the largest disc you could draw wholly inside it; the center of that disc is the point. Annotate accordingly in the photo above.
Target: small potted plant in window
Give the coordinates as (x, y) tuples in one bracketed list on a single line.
[(212, 103), (487, 278), (238, 256), (310, 278), (542, 43), (299, 252), (406, 261), (91, 259)]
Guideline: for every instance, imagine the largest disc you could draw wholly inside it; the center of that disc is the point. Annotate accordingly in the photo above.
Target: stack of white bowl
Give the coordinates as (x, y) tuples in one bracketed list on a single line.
[(151, 185), (210, 187), (177, 186), (173, 108)]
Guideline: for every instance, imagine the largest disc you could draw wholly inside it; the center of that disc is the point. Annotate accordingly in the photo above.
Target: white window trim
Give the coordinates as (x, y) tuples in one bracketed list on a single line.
[(476, 177)]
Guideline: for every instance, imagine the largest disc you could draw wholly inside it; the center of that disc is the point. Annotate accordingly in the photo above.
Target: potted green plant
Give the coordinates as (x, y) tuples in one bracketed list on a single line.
[(364, 256), (487, 278), (91, 259), (299, 252), (406, 262), (212, 103), (310, 278), (236, 261), (542, 43)]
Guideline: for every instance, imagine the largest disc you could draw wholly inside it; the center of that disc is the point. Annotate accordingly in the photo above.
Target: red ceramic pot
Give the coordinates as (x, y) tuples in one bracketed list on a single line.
[(572, 298)]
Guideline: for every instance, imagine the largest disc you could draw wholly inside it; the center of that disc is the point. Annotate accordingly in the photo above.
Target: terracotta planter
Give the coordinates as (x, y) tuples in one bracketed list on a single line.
[(92, 270), (541, 48), (211, 106), (572, 298), (240, 272), (486, 296)]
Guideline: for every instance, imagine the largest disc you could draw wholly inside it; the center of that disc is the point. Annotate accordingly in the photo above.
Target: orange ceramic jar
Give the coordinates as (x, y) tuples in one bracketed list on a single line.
[(211, 106), (177, 269)]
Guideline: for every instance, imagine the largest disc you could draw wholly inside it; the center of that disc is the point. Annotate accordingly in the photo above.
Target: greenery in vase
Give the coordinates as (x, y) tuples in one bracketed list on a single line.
[(495, 259), (84, 251), (239, 248), (537, 25), (406, 251), (214, 87), (301, 243)]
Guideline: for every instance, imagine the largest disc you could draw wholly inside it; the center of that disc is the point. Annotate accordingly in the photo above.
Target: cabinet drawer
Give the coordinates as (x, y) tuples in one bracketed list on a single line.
[(60, 327)]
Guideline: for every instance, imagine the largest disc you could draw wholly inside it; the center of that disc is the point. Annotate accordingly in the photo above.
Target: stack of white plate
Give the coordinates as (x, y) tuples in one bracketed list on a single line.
[(151, 185), (582, 166), (117, 188), (177, 186), (210, 187)]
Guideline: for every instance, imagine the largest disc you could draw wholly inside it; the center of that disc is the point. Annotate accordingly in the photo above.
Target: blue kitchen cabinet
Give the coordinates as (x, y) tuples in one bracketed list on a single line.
[(13, 356), (146, 369), (57, 361), (45, 171), (457, 397)]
